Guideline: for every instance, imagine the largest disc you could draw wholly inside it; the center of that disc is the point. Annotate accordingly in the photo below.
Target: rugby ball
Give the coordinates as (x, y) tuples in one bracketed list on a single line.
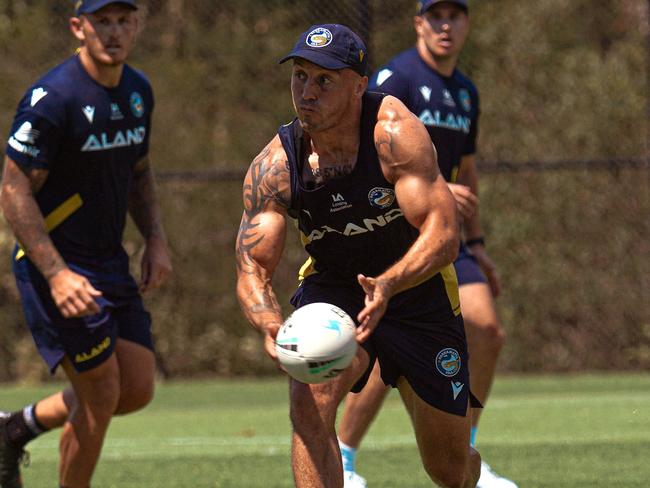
[(316, 342)]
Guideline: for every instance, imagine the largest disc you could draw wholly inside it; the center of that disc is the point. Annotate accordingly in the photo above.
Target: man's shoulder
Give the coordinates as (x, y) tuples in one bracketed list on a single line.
[(465, 81), (401, 64), (136, 77)]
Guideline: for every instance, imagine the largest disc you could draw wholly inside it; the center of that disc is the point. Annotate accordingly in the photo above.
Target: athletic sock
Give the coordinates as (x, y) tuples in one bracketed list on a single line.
[(472, 436), (349, 456), (23, 426)]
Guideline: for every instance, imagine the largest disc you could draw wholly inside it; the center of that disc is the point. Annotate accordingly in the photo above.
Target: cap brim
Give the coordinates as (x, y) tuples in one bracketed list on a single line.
[(101, 5), (322, 59)]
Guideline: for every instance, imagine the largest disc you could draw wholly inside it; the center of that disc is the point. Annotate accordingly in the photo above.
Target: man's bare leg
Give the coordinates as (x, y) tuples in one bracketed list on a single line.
[(315, 455)]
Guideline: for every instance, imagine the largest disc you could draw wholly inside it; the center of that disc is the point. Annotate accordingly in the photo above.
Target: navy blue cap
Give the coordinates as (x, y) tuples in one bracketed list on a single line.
[(425, 5), (90, 6), (331, 46)]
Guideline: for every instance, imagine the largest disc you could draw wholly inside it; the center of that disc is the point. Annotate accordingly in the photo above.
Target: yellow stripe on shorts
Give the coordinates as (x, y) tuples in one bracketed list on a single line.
[(448, 274), (58, 215)]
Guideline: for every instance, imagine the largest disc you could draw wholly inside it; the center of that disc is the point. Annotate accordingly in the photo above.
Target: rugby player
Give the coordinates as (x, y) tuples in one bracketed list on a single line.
[(76, 164), (387, 265)]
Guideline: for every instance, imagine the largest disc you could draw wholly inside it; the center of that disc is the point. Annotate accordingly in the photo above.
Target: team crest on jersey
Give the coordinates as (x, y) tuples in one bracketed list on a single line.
[(465, 99), (381, 197), (319, 37), (448, 362), (137, 104)]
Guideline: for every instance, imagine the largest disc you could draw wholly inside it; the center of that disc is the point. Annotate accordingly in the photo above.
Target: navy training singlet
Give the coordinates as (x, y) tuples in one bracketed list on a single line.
[(353, 224), (89, 138), (447, 106)]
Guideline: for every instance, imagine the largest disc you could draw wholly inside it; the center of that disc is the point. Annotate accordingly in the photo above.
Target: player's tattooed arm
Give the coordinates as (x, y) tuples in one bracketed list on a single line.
[(261, 238), (144, 210), (25, 218), (143, 203)]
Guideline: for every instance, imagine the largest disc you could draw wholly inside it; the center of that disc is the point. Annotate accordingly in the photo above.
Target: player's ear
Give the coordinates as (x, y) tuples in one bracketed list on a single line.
[(76, 28), (418, 21), (361, 86)]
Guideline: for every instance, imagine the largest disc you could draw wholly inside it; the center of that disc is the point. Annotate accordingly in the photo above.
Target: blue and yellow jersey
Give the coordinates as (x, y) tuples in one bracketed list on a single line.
[(88, 137), (354, 224), (447, 106)]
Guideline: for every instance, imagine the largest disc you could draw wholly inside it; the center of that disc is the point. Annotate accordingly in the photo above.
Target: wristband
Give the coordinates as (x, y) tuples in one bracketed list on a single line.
[(475, 240)]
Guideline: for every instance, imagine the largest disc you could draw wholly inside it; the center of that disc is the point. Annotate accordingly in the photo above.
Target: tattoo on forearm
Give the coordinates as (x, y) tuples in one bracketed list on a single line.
[(26, 220), (143, 206)]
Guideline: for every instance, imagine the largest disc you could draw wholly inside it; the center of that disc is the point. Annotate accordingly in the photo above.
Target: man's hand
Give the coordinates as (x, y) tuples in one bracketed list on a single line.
[(73, 294), (156, 264), (270, 333), (376, 302), (488, 267), (466, 201)]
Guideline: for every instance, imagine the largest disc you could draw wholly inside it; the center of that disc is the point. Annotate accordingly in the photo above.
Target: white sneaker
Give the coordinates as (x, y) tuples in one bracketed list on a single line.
[(489, 479), (353, 480)]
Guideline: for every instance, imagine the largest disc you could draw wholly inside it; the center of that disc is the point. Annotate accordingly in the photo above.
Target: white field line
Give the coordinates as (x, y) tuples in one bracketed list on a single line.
[(172, 447)]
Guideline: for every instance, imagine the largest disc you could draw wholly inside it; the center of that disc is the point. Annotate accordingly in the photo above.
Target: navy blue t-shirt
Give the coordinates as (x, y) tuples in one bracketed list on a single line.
[(89, 138), (447, 106)]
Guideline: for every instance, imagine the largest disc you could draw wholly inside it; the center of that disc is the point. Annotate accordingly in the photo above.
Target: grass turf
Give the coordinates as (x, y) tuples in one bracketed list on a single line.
[(561, 431)]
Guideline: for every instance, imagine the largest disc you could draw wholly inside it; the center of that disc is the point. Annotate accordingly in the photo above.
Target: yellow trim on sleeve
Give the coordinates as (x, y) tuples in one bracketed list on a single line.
[(58, 215)]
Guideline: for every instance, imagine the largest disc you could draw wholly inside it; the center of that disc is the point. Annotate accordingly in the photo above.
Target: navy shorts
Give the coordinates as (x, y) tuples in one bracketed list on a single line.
[(87, 341), (467, 269), (431, 356)]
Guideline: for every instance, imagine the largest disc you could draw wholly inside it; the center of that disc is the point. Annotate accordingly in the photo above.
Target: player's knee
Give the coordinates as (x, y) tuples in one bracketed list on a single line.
[(102, 398), (448, 476), (489, 335), (135, 398), (311, 415)]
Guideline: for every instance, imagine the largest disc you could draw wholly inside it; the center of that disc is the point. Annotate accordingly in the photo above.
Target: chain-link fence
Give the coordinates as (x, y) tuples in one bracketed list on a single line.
[(564, 92)]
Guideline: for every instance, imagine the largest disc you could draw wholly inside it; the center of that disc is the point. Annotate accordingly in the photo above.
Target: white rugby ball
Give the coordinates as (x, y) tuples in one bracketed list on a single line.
[(316, 342)]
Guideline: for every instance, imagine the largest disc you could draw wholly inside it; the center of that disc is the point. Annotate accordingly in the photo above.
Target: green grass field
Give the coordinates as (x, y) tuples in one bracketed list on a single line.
[(583, 431)]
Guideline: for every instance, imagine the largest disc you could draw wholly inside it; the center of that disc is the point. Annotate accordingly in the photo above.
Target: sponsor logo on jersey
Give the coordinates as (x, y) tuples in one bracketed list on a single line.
[(383, 75), (319, 37), (451, 121), (381, 197), (101, 142), (38, 94), (426, 93), (89, 112), (116, 114), (339, 203), (447, 99), (448, 362), (94, 352), (357, 228), (24, 139), (465, 99), (137, 104)]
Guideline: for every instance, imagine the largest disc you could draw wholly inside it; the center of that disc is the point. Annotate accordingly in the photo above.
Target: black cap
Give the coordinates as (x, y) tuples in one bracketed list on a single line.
[(332, 46), (425, 5), (90, 6)]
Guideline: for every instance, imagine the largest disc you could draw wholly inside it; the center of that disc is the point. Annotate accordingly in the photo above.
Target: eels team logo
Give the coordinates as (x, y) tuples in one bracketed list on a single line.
[(448, 362), (381, 197), (465, 99), (320, 37), (137, 104)]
